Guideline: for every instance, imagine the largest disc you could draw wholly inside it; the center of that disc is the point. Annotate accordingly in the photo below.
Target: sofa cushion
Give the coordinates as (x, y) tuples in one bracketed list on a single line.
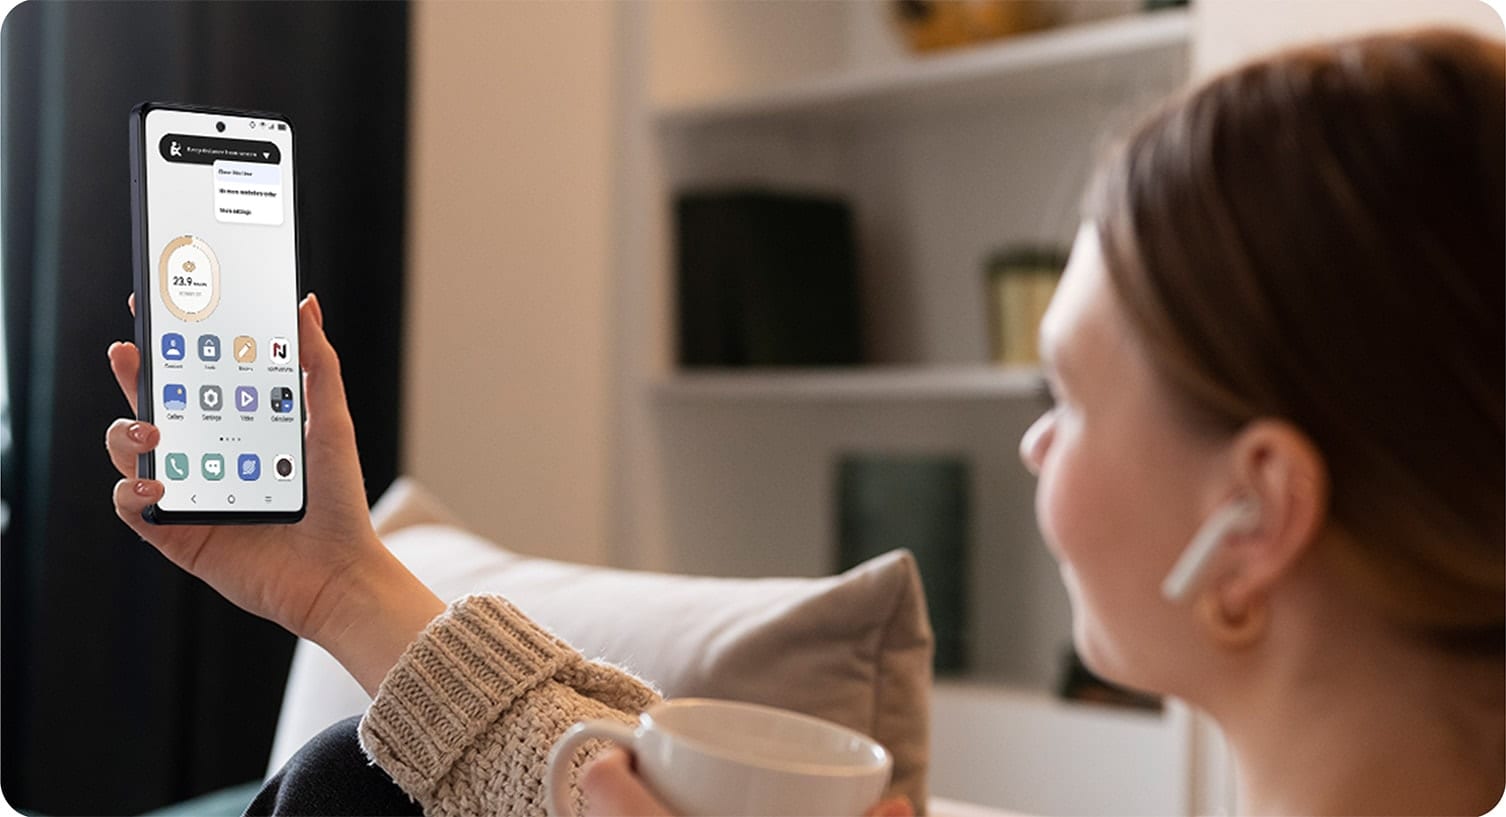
[(854, 648)]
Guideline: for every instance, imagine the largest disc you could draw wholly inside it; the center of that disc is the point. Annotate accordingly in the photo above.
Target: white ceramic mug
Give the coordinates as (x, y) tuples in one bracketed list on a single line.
[(707, 758)]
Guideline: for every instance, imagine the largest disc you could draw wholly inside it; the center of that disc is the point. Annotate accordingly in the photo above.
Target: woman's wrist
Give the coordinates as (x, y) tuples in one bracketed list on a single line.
[(381, 609)]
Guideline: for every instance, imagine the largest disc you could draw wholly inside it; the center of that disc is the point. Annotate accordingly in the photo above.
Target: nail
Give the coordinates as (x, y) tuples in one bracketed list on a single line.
[(137, 432), (142, 488)]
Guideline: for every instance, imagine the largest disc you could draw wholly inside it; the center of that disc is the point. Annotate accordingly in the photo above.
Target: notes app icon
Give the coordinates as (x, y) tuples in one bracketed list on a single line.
[(245, 349)]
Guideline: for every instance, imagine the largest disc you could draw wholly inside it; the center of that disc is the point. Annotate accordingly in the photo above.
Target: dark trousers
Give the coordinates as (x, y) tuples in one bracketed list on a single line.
[(330, 776)]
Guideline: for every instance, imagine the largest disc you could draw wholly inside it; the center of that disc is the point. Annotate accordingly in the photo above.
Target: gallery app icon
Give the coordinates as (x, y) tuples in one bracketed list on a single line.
[(209, 348), (210, 398), (213, 466), (172, 346), (176, 466), (278, 351), (245, 399), (245, 349), (174, 397), (282, 399), (249, 467)]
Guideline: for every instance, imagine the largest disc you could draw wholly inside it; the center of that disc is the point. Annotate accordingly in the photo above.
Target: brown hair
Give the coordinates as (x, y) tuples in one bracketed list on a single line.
[(1320, 236)]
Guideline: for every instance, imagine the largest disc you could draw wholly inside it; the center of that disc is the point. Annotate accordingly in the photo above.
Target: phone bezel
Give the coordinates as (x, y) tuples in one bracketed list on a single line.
[(146, 463)]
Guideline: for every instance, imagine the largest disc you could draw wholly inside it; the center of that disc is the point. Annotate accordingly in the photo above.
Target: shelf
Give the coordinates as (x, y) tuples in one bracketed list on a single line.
[(1106, 57), (855, 384)]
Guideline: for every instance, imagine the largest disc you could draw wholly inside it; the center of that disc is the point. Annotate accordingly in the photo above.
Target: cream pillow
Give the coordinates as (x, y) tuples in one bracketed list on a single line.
[(854, 648)]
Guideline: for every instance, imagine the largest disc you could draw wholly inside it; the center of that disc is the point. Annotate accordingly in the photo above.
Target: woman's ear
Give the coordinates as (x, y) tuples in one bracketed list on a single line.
[(1278, 467)]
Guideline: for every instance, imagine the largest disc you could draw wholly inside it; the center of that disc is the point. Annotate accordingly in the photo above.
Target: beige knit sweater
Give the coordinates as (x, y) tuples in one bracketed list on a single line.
[(464, 721)]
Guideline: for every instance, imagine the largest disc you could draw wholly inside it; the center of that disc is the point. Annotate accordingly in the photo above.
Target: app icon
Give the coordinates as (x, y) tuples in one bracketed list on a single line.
[(174, 397), (213, 466), (176, 466), (245, 349), (279, 351), (245, 399), (249, 467), (210, 397), (172, 346), (282, 467), (209, 347), (282, 399)]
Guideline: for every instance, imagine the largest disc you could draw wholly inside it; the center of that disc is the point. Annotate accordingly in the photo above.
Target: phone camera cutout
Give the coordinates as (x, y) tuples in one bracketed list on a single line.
[(219, 126)]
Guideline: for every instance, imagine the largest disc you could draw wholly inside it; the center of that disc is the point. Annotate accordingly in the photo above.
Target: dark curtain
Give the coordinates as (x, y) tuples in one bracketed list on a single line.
[(124, 683)]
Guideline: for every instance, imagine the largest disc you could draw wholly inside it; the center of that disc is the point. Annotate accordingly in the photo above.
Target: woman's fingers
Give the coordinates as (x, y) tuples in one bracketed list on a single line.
[(125, 439), (125, 362), (611, 788), (323, 390), (131, 498), (131, 303)]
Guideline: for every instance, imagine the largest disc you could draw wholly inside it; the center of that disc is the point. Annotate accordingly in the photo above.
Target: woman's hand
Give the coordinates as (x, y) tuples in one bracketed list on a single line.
[(613, 788), (327, 578)]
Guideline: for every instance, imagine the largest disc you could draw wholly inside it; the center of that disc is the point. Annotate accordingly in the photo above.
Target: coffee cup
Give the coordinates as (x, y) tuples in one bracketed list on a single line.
[(709, 758)]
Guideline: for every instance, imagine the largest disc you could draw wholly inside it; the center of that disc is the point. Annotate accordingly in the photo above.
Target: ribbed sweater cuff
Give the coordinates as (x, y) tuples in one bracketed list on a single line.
[(453, 682)]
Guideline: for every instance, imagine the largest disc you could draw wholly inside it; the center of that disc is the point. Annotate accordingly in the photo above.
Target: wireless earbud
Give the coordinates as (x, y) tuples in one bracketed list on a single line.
[(1239, 515)]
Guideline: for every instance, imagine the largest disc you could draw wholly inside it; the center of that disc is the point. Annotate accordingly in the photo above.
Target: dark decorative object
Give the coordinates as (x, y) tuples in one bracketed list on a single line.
[(1080, 684), (920, 503), (766, 279)]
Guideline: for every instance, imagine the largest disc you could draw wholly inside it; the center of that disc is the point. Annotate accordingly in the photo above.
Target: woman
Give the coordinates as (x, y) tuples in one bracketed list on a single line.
[(1287, 300)]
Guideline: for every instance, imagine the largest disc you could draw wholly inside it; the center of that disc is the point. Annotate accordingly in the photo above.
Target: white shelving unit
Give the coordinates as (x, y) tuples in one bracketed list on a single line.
[(880, 383), (944, 160)]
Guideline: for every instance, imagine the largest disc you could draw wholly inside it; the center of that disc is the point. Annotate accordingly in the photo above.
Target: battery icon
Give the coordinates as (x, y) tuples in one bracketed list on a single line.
[(281, 126)]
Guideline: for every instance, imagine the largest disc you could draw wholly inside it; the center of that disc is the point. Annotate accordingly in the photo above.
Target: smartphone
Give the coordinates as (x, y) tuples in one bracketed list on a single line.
[(215, 246)]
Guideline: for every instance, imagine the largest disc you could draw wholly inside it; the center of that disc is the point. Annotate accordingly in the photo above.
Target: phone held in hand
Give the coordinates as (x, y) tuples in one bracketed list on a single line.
[(215, 252)]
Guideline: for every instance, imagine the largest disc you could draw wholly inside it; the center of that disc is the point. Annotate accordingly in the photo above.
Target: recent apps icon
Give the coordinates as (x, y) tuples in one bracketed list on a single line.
[(282, 399), (245, 399), (249, 467), (172, 346), (174, 397)]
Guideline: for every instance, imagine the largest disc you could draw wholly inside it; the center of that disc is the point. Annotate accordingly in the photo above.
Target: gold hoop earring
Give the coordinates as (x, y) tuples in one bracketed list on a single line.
[(1235, 629)]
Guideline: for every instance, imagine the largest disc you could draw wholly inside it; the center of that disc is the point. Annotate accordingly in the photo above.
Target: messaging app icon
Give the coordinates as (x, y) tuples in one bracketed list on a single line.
[(213, 466), (174, 397), (176, 466), (172, 346), (249, 467)]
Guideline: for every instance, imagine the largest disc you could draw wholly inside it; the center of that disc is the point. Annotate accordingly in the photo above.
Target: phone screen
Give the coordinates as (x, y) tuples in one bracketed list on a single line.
[(218, 278)]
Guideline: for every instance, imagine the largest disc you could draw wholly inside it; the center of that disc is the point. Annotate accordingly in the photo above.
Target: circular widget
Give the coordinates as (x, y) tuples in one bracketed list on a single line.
[(188, 275)]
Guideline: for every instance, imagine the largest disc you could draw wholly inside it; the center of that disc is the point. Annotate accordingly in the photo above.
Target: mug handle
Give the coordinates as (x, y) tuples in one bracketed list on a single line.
[(557, 776)]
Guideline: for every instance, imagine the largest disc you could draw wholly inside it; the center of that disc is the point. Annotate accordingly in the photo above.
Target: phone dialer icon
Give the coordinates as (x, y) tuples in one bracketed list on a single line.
[(176, 466), (211, 398)]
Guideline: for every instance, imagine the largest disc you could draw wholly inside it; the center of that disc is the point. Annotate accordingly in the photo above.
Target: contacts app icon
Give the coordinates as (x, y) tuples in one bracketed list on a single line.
[(172, 346)]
